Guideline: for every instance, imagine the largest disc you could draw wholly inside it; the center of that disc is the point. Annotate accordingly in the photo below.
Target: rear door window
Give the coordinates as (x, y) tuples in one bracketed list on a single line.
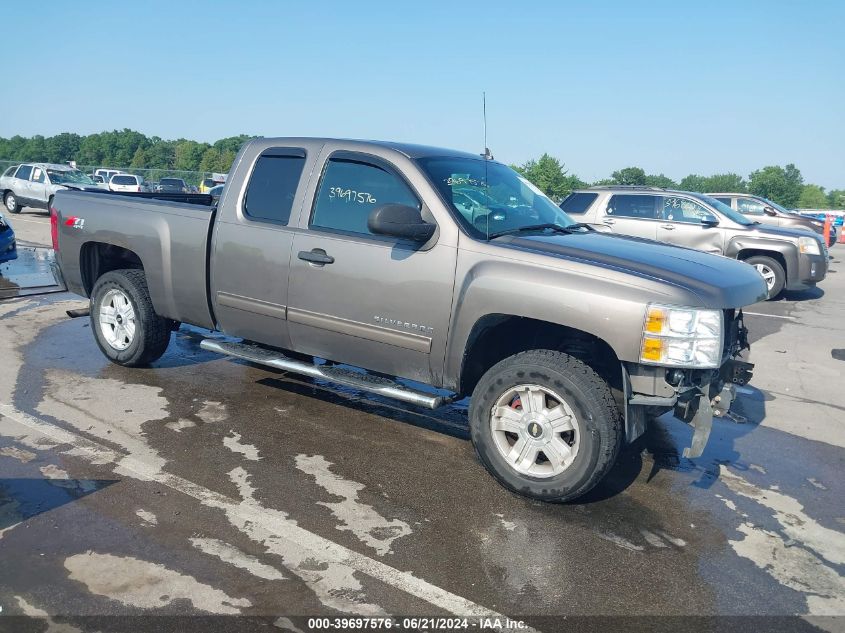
[(578, 203), (749, 206), (678, 209), (726, 201), (632, 206), (272, 186), (24, 171), (351, 189)]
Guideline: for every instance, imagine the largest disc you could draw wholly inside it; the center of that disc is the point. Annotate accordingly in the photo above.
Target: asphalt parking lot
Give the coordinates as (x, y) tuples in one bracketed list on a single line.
[(213, 487)]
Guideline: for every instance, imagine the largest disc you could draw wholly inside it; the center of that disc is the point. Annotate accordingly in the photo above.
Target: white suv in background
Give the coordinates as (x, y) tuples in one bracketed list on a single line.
[(128, 182), (34, 184)]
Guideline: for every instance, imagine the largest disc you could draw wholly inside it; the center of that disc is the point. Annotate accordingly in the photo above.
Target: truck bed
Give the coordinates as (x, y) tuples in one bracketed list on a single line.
[(169, 239), (202, 199)]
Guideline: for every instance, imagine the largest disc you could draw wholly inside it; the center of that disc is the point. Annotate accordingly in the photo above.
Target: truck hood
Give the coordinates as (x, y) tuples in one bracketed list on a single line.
[(718, 281)]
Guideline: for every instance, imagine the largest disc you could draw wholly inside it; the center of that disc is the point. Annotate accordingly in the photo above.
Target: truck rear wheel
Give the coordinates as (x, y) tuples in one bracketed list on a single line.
[(772, 273), (545, 425), (126, 328)]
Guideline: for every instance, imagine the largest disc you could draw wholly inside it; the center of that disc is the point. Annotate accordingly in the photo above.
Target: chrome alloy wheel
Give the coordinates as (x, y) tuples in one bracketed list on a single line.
[(11, 202), (535, 430), (767, 273), (117, 319)]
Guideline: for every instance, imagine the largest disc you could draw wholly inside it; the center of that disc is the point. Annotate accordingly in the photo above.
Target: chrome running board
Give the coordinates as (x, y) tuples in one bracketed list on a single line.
[(340, 375)]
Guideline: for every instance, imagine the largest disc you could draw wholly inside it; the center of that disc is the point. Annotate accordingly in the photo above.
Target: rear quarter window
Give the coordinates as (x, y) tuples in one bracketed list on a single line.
[(272, 187), (632, 206), (578, 203)]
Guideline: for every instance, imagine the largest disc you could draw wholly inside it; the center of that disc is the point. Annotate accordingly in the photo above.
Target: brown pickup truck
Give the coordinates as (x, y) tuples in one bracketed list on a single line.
[(388, 263)]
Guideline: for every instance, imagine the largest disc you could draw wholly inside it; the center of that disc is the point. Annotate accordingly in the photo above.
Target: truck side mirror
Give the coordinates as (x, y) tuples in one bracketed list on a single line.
[(399, 220)]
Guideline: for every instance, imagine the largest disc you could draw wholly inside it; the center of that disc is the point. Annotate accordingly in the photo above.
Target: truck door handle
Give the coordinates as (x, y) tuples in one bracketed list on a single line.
[(316, 256), (668, 227), (609, 222)]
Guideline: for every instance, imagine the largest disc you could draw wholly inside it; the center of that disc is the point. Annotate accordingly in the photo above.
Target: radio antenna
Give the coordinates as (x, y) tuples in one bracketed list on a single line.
[(484, 115), (487, 155)]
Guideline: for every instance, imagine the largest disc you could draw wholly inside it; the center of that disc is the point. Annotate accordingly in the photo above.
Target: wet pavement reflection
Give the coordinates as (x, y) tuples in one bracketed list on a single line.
[(33, 272)]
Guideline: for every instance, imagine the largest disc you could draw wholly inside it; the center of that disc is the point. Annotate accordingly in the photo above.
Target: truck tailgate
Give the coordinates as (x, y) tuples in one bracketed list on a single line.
[(169, 238)]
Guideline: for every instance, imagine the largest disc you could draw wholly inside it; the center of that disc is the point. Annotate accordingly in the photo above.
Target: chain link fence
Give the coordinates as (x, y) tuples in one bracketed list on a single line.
[(150, 175)]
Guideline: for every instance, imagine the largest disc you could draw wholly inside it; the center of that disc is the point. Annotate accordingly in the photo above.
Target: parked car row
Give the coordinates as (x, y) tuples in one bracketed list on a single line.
[(34, 184), (791, 257)]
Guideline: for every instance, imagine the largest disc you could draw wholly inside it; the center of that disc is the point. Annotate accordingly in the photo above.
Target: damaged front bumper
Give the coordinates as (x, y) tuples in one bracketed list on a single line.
[(695, 396), (699, 404)]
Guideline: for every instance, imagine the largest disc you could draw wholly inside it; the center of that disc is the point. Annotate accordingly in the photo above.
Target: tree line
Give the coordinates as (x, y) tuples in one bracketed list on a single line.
[(124, 149), (130, 149), (784, 185)]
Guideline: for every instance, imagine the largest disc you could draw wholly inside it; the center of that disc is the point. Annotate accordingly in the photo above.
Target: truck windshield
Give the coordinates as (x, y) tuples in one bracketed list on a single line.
[(489, 198), (725, 210), (69, 177)]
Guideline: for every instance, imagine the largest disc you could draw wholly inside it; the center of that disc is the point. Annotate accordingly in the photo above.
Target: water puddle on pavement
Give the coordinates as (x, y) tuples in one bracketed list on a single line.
[(33, 272)]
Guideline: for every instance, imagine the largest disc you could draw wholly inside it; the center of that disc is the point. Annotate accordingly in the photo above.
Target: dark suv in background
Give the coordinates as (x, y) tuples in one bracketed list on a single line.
[(172, 185), (768, 212)]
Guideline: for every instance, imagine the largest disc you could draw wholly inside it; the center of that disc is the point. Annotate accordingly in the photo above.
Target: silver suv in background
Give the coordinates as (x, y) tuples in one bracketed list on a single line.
[(35, 184), (768, 212), (791, 259)]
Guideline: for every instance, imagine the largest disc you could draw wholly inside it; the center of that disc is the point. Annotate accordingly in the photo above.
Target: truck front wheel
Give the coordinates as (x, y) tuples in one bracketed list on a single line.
[(545, 425), (126, 327)]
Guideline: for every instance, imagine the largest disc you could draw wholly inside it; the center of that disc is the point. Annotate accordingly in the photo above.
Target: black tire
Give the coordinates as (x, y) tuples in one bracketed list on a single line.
[(599, 421), (152, 332), (775, 266), (11, 198)]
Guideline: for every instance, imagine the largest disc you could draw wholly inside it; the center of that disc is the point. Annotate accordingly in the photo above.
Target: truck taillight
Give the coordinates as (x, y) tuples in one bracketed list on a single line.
[(54, 228)]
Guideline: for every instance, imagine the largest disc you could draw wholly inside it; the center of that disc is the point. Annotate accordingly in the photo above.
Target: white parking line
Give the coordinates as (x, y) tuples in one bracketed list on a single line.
[(30, 220), (771, 316), (288, 530)]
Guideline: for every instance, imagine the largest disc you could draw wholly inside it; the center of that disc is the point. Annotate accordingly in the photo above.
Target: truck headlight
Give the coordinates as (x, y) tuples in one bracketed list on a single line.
[(809, 246), (682, 337)]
